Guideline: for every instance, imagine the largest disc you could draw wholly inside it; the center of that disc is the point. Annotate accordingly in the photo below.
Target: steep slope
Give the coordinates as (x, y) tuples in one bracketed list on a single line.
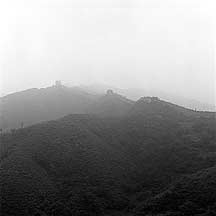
[(191, 195), (112, 105), (135, 93), (55, 158), (35, 105), (94, 164), (153, 105)]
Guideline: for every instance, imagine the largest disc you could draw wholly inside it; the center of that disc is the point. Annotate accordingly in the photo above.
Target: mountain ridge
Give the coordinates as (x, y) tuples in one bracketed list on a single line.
[(114, 163), (35, 105)]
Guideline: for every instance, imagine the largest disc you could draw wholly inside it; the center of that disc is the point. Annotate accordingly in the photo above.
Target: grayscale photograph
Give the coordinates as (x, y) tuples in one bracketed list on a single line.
[(107, 107)]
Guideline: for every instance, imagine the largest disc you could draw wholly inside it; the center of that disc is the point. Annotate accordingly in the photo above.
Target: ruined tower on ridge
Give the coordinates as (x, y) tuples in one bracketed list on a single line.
[(58, 83)]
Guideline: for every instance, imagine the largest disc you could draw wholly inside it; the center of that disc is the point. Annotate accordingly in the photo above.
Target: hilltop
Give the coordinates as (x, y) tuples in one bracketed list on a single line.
[(89, 164), (25, 108), (35, 105), (32, 106)]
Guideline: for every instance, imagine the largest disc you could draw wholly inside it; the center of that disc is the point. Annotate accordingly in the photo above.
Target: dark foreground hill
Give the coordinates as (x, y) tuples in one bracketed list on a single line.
[(156, 159), (193, 194)]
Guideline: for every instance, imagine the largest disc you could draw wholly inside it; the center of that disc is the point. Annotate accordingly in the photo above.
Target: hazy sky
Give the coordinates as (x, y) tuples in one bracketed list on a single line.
[(152, 44)]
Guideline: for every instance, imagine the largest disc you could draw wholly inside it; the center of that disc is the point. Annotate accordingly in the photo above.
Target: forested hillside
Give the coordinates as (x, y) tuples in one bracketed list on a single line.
[(155, 159)]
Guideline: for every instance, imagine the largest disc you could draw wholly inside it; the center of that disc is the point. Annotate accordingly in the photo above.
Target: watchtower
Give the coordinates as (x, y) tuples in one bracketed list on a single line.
[(110, 92), (58, 83)]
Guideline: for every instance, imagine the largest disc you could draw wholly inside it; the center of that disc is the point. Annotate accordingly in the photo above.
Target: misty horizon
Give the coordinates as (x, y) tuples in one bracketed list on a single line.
[(161, 45), (107, 107), (134, 93)]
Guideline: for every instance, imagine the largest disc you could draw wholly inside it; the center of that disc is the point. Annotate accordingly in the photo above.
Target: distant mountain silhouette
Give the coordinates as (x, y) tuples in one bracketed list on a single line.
[(112, 104), (136, 93), (31, 106), (34, 105)]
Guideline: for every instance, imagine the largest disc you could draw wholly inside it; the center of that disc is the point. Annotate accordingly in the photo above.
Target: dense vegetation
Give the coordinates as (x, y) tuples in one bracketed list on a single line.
[(155, 158)]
